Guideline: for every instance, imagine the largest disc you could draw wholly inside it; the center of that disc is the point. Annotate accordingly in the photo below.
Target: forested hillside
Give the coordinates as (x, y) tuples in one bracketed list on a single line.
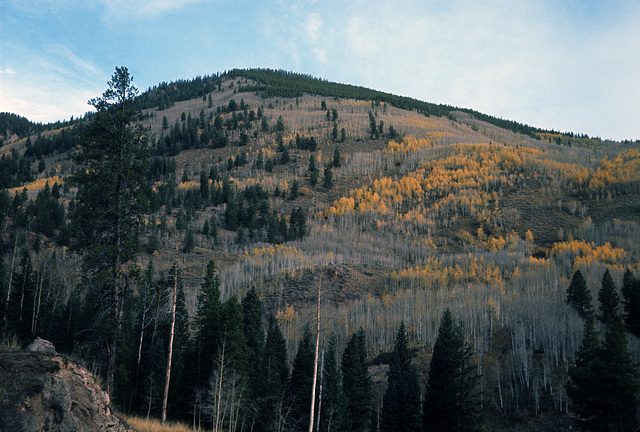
[(192, 243)]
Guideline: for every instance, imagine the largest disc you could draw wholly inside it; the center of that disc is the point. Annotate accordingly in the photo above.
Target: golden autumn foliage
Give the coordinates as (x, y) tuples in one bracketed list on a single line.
[(586, 253)]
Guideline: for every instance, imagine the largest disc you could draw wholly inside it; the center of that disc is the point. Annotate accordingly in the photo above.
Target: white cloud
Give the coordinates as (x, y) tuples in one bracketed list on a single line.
[(145, 8), (72, 59)]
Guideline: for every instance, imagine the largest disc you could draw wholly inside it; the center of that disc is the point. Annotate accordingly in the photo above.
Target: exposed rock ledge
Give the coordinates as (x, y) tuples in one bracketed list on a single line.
[(43, 391)]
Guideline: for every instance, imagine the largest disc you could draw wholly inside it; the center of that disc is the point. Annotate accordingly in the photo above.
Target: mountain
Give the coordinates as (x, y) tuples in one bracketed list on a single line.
[(397, 208)]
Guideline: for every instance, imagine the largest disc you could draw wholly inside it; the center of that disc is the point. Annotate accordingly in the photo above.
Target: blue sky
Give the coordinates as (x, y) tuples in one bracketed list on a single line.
[(570, 65)]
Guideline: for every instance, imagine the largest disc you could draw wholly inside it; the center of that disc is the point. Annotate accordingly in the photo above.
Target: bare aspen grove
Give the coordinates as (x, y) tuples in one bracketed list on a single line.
[(396, 209)]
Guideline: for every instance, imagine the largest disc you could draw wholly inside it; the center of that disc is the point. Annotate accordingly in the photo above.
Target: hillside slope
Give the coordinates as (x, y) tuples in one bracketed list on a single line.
[(396, 208)]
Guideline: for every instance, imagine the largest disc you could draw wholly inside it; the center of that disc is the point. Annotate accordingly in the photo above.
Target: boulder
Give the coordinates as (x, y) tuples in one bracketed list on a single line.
[(42, 346), (47, 392)]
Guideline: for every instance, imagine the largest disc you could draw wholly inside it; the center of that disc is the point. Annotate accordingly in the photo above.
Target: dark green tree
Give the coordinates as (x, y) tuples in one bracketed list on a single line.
[(301, 383), (620, 380), (604, 382), (584, 378), (373, 128), (356, 383), (401, 402), (107, 218), (313, 171), (631, 302), (579, 296), (256, 369), (451, 402), (232, 326), (337, 158), (328, 178), (208, 324), (609, 299), (272, 410), (334, 402)]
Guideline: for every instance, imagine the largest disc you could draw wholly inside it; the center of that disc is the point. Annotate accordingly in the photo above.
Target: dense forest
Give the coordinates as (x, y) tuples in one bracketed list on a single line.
[(214, 247)]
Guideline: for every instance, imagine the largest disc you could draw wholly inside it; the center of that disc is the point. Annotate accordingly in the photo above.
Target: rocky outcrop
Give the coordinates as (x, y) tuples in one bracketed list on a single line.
[(43, 391)]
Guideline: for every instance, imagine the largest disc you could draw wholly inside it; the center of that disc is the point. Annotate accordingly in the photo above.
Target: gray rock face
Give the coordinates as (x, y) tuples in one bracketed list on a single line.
[(46, 392), (42, 346)]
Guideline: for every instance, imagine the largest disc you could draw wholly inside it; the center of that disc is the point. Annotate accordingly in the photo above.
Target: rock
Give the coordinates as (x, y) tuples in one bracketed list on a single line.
[(44, 391), (42, 346)]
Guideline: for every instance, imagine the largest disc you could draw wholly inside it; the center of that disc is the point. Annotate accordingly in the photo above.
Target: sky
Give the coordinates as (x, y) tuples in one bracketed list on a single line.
[(567, 65)]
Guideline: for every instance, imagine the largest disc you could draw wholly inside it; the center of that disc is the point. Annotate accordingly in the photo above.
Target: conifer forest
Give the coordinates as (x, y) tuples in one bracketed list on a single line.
[(260, 250)]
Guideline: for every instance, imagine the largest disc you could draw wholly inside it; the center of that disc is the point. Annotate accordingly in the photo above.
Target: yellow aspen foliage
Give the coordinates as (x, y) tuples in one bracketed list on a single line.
[(528, 236), (286, 316)]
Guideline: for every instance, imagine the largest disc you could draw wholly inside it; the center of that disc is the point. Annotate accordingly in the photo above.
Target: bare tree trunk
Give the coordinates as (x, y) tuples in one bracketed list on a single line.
[(37, 299), (217, 422), (315, 366), (320, 391), (170, 354), (6, 303)]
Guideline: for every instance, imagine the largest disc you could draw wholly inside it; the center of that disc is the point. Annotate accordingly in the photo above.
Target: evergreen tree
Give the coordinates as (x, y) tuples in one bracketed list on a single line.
[(583, 385), (254, 335), (609, 299), (232, 326), (631, 302), (620, 380), (604, 382), (208, 323), (334, 403), (271, 410), (337, 159), (357, 383), (328, 178), (401, 402), (107, 217), (313, 171), (301, 383), (579, 296), (450, 401)]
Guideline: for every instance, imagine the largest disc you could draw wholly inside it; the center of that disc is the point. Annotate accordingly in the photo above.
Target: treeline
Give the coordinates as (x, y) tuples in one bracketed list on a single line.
[(13, 124), (166, 94), (279, 83)]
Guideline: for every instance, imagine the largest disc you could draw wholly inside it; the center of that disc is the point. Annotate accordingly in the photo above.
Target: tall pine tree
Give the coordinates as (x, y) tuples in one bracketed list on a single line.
[(356, 383), (107, 217), (609, 299), (604, 382), (401, 402), (579, 296), (301, 383), (332, 414), (451, 402), (208, 335), (631, 302)]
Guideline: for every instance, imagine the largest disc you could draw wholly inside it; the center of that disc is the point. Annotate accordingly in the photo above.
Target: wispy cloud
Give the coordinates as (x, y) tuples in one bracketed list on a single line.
[(71, 59), (146, 8)]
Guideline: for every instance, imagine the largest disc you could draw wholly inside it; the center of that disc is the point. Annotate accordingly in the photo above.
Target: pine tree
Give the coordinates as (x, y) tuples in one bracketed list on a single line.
[(584, 379), (232, 326), (357, 383), (620, 380), (208, 323), (107, 217), (631, 302), (254, 335), (271, 410), (451, 401), (579, 296), (604, 382), (609, 299), (301, 383), (401, 402), (332, 415)]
